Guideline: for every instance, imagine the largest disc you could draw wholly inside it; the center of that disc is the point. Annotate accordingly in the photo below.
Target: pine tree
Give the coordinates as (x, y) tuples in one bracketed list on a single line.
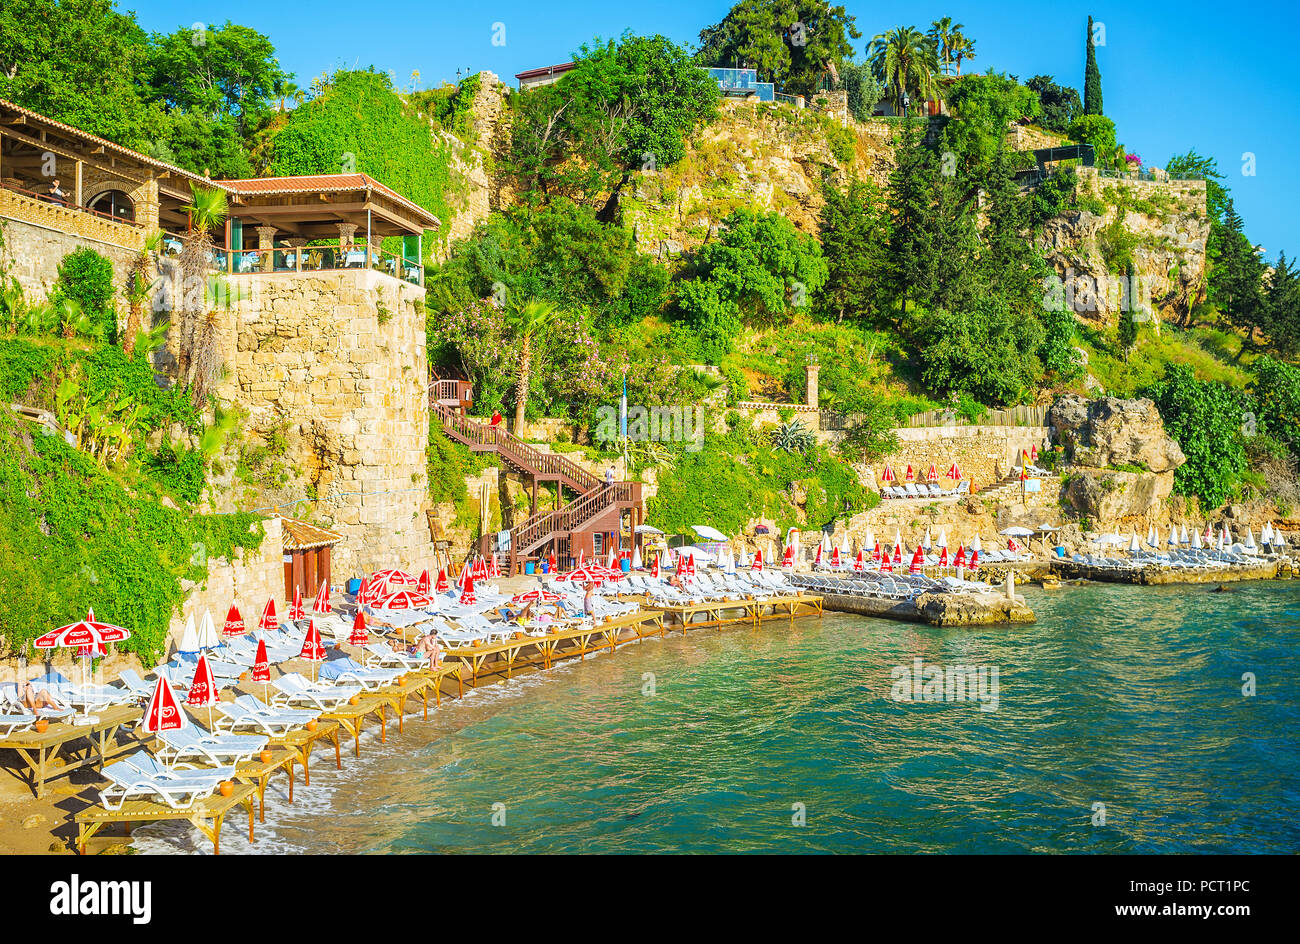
[(911, 193), (953, 283), (1282, 303), (1009, 264), (1237, 279), (1128, 329), (853, 231), (1091, 79)]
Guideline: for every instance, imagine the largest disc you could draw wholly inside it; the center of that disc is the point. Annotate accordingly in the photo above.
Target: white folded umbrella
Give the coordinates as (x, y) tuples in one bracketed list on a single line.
[(208, 632), (189, 638), (925, 543)]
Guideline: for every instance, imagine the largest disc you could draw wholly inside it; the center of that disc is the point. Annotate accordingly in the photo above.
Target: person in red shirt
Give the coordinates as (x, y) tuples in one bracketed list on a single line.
[(496, 417)]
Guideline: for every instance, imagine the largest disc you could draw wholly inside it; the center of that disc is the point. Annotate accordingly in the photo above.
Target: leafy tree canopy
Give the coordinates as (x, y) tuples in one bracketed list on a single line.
[(789, 42)]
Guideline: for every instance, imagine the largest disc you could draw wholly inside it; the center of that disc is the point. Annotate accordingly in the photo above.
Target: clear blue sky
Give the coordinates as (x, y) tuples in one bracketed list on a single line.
[(1166, 79)]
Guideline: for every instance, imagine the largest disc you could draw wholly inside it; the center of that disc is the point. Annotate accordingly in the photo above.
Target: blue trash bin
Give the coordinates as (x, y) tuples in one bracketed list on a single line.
[(625, 565), (354, 586), (530, 568), (546, 567)]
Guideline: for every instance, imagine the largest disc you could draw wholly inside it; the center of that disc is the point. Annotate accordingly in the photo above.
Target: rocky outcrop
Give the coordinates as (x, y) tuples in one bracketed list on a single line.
[(762, 156), (1113, 432), (1162, 226), (1122, 460)]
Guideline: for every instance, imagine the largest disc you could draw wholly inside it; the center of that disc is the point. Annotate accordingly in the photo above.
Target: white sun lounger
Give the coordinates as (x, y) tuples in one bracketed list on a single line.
[(143, 777), (192, 745), (293, 689)]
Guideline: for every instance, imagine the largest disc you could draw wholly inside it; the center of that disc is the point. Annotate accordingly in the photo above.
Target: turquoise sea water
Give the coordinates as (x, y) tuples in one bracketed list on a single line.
[(1124, 696)]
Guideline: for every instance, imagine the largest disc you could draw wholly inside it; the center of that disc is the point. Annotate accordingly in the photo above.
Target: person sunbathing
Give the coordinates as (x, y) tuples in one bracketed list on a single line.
[(33, 700), (427, 646)]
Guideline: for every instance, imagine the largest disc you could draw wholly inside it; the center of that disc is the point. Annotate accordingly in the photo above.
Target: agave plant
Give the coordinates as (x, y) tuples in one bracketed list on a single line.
[(793, 437)]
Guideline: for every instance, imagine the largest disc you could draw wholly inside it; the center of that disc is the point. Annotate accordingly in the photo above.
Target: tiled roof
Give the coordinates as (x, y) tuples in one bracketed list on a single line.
[(77, 132), (301, 536), (545, 70), (321, 183)]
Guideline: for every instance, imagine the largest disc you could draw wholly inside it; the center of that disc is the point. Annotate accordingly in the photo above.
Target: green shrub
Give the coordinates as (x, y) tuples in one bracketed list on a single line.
[(86, 277)]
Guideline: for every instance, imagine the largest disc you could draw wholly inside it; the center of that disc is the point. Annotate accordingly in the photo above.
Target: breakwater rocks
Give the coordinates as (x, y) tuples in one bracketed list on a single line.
[(1155, 576), (936, 609)]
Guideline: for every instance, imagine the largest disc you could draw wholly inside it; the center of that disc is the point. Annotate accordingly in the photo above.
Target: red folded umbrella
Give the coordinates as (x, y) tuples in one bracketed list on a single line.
[(875, 554), (859, 564), (312, 648), (932, 474), (322, 604), (295, 608), (898, 553), (960, 560), (359, 635), (234, 623), (787, 558), (918, 559), (163, 712), (818, 559), (757, 562), (910, 476), (261, 664), (885, 565), (467, 595), (835, 558), (943, 556), (443, 585), (550, 562), (654, 566), (268, 621), (974, 559), (423, 585)]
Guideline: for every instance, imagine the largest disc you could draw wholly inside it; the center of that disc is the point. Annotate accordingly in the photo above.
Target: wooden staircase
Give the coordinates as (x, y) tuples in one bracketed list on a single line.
[(597, 507)]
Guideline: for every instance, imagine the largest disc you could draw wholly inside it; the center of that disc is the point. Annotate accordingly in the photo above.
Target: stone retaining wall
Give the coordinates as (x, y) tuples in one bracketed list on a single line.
[(38, 235)]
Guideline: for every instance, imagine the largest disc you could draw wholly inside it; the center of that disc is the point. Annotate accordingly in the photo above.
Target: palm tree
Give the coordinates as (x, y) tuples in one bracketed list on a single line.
[(207, 211), (945, 35), (963, 48), (139, 286), (526, 321), (906, 62)]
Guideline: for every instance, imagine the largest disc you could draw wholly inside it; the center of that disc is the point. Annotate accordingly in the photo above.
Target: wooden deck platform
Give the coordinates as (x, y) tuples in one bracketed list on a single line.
[(544, 651), (301, 742), (258, 774), (205, 815), (87, 745), (722, 612)]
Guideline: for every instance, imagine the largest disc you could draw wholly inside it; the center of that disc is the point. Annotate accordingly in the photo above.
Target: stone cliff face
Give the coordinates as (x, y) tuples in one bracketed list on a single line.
[(1161, 226), (765, 156)]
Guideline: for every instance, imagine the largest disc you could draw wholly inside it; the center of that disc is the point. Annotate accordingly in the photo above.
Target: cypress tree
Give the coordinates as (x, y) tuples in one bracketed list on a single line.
[(1091, 79)]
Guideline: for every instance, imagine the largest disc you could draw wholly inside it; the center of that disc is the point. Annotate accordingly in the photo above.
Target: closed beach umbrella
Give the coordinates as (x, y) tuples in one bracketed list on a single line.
[(1279, 539), (960, 560), (918, 558), (636, 558), (1182, 538), (974, 558), (234, 625), (758, 560), (443, 584), (203, 688), (1250, 539), (359, 635), (885, 565), (932, 473), (1033, 453), (422, 586), (1266, 534), (859, 564), (943, 556), (925, 542), (189, 643), (1133, 545), (975, 545), (163, 712), (888, 475), (1173, 536), (953, 472), (1196, 539), (875, 554), (943, 538), (654, 566), (268, 622), (295, 608), (835, 559), (909, 476), (313, 650), (261, 664), (321, 605), (787, 559), (208, 638), (817, 560), (550, 562), (898, 553), (1152, 539)]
